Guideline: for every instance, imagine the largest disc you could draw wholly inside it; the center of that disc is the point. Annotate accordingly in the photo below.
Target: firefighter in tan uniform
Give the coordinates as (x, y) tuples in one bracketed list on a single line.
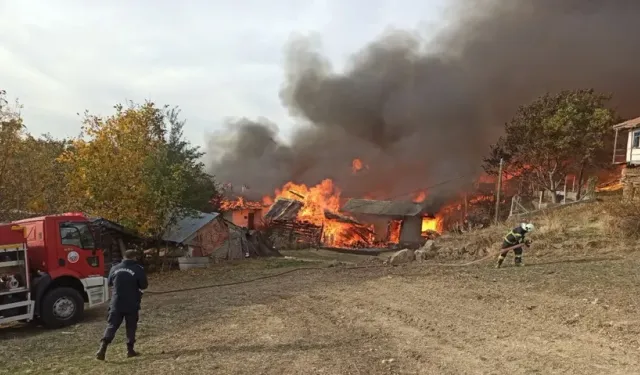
[(513, 238)]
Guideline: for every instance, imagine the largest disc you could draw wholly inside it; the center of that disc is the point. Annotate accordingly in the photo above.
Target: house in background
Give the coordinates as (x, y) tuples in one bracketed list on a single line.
[(629, 156), (393, 221), (210, 235), (202, 234), (250, 218), (243, 212)]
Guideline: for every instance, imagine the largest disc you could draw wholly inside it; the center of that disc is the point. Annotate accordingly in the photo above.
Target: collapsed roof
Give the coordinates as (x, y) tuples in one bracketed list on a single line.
[(284, 209)]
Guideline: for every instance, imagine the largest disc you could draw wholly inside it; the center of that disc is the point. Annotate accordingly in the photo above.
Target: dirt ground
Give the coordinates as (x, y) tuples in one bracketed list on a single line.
[(554, 316)]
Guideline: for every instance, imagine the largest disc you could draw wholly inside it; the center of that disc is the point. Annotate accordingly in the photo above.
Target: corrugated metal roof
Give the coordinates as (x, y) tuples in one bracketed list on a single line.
[(382, 208), (181, 231)]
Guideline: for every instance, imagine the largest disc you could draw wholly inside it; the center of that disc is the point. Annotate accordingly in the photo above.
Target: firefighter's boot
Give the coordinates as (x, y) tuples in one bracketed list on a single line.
[(518, 261), (500, 260), (130, 352), (100, 354)]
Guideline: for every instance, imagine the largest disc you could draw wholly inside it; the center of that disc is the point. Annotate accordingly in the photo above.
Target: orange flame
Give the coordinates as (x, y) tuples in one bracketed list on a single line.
[(326, 196), (486, 179), (432, 224), (317, 199), (420, 197), (239, 204), (506, 175), (611, 187), (481, 198), (356, 165), (394, 231)]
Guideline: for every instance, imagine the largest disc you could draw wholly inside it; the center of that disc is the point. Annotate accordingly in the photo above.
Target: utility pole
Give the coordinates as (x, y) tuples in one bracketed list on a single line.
[(498, 190)]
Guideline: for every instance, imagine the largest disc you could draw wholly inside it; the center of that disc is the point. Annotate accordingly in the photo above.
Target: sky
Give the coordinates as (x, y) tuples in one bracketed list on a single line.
[(214, 59)]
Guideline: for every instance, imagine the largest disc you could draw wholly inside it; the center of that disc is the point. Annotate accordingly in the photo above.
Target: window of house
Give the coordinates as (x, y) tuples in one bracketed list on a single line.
[(77, 234), (636, 139)]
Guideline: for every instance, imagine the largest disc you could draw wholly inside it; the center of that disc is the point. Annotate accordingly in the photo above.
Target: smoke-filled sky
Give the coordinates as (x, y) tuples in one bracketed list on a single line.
[(215, 59), (418, 105), (419, 112)]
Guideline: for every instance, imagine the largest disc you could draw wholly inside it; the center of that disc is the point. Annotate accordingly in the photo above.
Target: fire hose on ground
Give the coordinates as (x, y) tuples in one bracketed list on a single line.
[(491, 254)]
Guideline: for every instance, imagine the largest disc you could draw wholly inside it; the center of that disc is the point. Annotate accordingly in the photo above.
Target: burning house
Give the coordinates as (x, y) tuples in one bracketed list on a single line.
[(393, 222), (243, 212), (359, 223), (287, 230), (301, 216)]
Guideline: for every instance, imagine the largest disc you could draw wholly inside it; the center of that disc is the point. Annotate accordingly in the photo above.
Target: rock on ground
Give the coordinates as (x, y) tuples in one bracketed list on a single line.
[(402, 257), (430, 249), (430, 245)]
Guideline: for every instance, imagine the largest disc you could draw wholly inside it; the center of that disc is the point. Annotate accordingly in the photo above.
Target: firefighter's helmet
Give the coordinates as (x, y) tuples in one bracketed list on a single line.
[(528, 227)]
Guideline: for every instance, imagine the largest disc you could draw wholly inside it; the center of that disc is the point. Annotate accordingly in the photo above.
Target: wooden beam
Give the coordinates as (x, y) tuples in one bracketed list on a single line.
[(615, 147), (498, 191)]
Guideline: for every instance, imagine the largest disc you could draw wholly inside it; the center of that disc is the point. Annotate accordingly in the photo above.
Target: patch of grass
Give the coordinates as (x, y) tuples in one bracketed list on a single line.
[(287, 263), (624, 218)]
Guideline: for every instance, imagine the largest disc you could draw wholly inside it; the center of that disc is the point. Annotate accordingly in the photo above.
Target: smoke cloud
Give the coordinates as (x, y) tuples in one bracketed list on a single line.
[(419, 113)]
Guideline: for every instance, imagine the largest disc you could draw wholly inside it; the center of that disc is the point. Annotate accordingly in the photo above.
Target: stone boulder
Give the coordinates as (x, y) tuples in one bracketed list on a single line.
[(421, 255), (402, 257), (430, 249), (429, 246)]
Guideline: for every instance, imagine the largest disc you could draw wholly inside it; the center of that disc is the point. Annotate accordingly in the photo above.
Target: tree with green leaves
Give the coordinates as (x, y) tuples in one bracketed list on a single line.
[(555, 135), (134, 167), (201, 188)]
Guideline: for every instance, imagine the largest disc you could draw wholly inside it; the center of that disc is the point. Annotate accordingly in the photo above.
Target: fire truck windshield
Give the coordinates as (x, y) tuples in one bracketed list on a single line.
[(77, 234)]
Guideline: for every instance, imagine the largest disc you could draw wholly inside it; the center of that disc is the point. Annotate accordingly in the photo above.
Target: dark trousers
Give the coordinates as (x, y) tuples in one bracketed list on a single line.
[(517, 251), (114, 320)]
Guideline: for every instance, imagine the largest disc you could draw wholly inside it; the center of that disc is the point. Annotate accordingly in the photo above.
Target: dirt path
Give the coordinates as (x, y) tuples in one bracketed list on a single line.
[(566, 317)]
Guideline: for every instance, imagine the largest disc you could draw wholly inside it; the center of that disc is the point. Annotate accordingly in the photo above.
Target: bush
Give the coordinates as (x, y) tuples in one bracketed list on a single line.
[(624, 218)]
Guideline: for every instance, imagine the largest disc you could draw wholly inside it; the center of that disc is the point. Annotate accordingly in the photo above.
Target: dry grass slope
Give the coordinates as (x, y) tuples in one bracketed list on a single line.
[(595, 228)]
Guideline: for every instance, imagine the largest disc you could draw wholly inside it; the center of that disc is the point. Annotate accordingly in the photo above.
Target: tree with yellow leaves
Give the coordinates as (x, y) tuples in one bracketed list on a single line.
[(43, 176), (123, 168)]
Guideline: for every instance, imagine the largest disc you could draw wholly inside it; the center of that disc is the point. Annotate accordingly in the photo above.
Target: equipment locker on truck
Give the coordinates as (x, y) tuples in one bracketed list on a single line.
[(49, 268)]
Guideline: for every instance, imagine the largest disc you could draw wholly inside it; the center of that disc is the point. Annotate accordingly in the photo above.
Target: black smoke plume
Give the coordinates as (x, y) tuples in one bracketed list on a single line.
[(418, 113)]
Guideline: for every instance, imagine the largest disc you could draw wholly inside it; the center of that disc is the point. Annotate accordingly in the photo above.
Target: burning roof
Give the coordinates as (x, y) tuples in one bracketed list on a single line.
[(239, 203), (382, 208), (284, 209)]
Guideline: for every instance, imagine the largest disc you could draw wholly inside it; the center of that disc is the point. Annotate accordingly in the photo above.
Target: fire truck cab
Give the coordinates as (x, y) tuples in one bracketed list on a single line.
[(50, 267)]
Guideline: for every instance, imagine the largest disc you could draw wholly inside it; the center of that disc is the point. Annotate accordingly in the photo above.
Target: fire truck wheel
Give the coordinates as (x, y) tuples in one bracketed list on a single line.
[(61, 307)]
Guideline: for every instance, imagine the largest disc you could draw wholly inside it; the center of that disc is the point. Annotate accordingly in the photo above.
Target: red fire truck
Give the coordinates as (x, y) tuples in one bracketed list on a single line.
[(49, 268)]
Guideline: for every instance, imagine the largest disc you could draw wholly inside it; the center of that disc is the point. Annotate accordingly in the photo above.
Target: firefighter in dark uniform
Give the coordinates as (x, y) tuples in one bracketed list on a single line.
[(513, 238), (128, 280)]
